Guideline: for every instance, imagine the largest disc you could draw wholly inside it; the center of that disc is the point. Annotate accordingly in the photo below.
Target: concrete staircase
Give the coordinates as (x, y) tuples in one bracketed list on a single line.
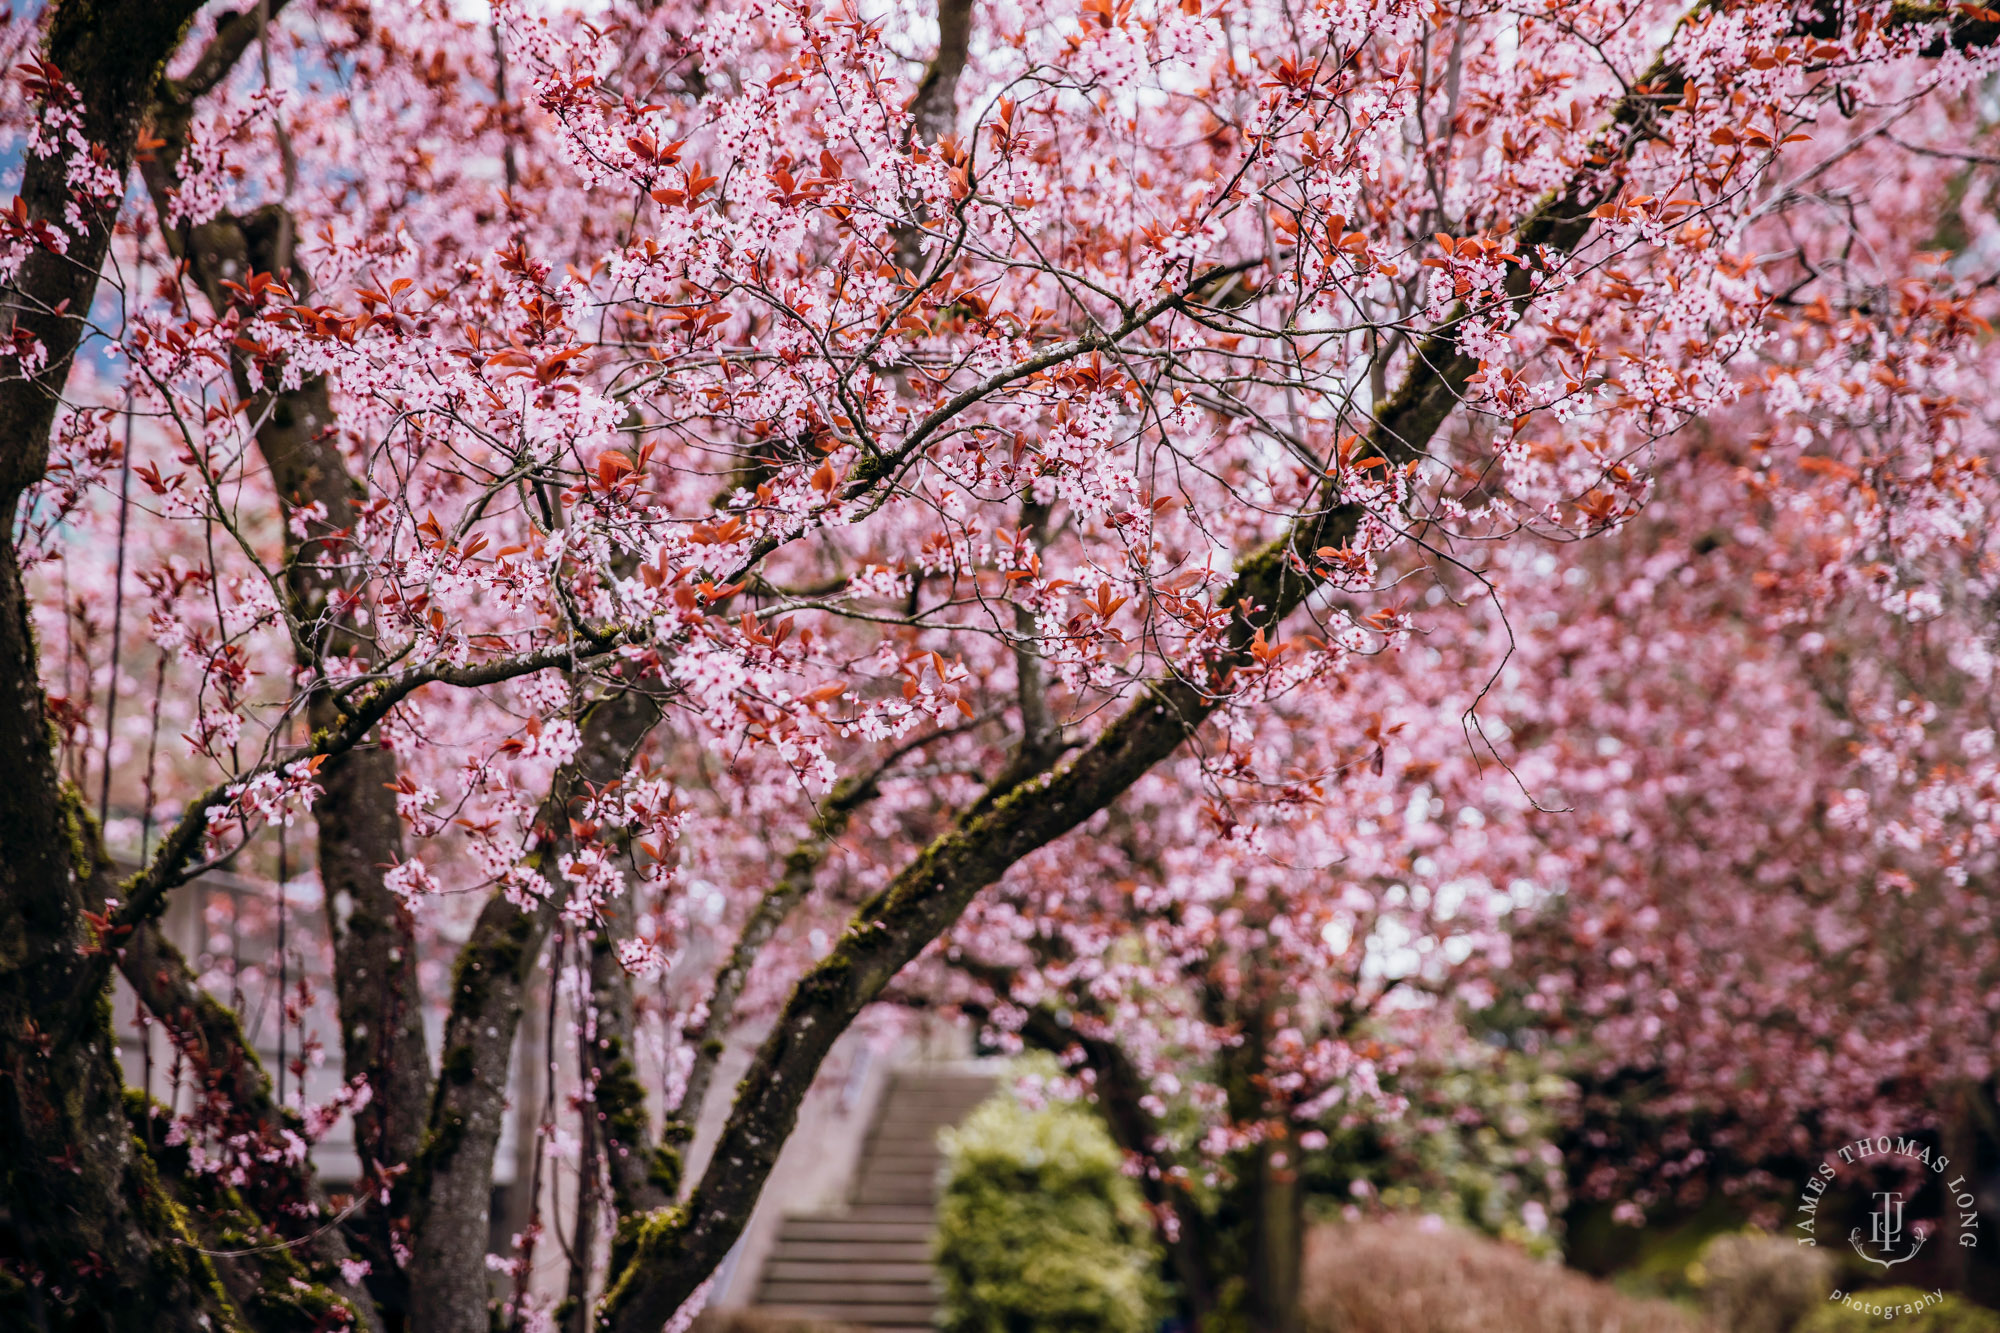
[(870, 1265)]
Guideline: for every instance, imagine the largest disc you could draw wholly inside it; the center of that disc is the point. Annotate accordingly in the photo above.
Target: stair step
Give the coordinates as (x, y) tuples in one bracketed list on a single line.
[(927, 1099), (904, 1146), (953, 1096), (781, 1269), (926, 1176), (793, 1250), (928, 1159), (899, 1171), (853, 1229), (927, 1139), (882, 1214), (943, 1089), (871, 1264), (849, 1293), (874, 1316), (909, 1081)]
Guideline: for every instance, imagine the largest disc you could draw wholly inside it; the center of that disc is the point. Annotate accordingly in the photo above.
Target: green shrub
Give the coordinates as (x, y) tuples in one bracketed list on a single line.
[(1039, 1230), (1755, 1283), (1949, 1315)]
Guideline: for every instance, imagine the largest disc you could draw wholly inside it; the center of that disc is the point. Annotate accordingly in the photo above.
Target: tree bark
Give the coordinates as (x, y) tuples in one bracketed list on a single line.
[(83, 1202), (934, 110), (644, 1174), (1261, 1219), (452, 1186), (270, 1288), (112, 53), (1269, 1215), (96, 1242)]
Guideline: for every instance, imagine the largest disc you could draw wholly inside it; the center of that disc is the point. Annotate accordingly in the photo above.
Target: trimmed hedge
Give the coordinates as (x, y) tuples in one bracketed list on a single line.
[(1039, 1230)]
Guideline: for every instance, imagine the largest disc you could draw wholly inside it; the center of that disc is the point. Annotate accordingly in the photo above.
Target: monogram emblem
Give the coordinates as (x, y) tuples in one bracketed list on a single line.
[(1886, 1233)]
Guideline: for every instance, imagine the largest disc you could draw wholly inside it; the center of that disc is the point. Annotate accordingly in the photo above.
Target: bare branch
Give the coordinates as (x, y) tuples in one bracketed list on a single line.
[(233, 36)]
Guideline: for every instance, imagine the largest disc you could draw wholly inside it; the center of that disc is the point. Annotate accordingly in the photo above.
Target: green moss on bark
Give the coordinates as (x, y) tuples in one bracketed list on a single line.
[(458, 1064), (638, 1235), (251, 1272), (179, 1262), (504, 955), (666, 1169)]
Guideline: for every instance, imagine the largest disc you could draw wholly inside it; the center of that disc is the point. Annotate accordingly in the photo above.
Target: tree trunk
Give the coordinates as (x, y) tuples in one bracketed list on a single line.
[(1260, 1225), (1273, 1220), (94, 1240), (452, 1185), (284, 1196), (87, 1223)]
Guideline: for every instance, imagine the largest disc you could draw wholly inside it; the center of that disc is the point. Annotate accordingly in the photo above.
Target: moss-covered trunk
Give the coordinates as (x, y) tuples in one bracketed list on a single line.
[(92, 1239)]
